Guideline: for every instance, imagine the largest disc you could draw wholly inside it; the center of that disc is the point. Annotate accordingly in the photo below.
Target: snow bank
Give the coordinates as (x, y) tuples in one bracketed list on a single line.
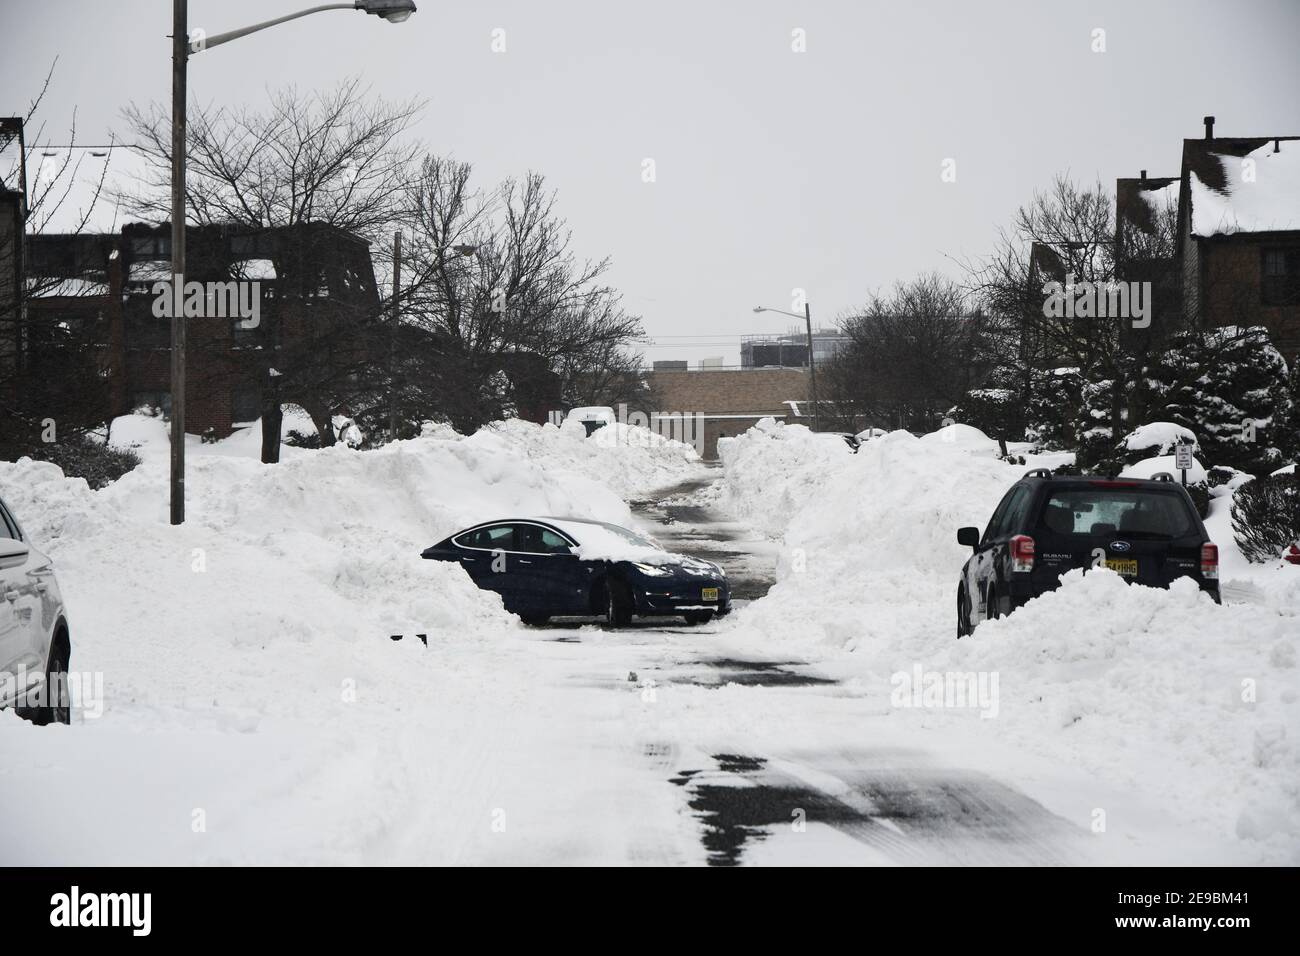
[(631, 460), (246, 657), (774, 469), (1162, 437), (1148, 467), (966, 438), (1161, 691)]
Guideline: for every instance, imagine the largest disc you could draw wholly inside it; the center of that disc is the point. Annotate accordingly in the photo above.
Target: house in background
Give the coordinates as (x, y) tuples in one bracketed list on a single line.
[(315, 282), (1239, 233)]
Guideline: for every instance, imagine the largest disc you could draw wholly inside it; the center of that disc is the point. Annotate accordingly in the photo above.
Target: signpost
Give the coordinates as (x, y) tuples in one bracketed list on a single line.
[(1183, 460)]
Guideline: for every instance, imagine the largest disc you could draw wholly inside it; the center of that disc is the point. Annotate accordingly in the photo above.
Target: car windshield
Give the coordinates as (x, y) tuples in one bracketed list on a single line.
[(1128, 512), (631, 537)]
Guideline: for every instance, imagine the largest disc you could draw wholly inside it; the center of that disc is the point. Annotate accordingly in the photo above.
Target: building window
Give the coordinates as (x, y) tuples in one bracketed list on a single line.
[(1281, 277), (151, 247), (246, 404)]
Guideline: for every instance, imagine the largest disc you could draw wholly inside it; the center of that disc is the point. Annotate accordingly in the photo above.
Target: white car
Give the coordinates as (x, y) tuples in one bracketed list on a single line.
[(592, 417), (34, 638)]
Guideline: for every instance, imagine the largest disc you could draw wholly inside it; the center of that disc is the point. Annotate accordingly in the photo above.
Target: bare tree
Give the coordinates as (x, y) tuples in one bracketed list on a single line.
[(911, 355), (1070, 234), (50, 363), (520, 321), (337, 158)]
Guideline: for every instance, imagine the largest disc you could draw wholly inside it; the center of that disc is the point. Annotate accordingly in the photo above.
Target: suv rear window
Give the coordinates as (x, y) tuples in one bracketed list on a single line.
[(1130, 512)]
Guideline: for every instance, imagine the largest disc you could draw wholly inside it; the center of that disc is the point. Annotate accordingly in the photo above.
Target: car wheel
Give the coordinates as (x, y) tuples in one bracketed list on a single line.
[(698, 617), (57, 708), (534, 620), (618, 603), (991, 609), (963, 614)]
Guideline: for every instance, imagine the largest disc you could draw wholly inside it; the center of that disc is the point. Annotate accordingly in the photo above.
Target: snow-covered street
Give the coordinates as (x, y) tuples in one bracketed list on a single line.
[(314, 693)]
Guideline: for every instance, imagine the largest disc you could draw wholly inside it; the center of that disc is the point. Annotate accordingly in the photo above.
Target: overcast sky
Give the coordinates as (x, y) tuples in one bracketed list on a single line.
[(774, 169)]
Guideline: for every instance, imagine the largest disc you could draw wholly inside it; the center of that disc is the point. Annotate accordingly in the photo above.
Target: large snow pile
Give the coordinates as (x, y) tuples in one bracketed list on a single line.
[(1164, 464), (322, 549), (966, 438), (628, 458), (246, 657), (773, 469), (1162, 691), (1160, 437)]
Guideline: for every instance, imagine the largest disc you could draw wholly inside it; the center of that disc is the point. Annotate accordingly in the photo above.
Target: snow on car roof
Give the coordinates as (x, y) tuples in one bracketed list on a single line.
[(600, 540)]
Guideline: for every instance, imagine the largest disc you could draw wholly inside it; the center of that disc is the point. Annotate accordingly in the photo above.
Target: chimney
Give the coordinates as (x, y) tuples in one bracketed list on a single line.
[(1277, 146), (1144, 175), (1209, 127)]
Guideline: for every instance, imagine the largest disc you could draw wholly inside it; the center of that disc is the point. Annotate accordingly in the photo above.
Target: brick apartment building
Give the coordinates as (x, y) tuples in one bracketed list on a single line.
[(1235, 256), (313, 281), (731, 400), (1239, 233)]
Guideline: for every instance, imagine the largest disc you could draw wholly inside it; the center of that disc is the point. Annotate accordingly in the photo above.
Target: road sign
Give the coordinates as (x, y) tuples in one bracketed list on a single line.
[(1183, 457)]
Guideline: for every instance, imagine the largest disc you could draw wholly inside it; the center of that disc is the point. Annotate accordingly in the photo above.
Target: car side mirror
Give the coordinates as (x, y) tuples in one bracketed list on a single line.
[(970, 537), (12, 550)]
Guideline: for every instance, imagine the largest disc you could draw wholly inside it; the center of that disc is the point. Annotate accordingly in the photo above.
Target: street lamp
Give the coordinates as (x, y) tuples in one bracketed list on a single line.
[(394, 11), (812, 365)]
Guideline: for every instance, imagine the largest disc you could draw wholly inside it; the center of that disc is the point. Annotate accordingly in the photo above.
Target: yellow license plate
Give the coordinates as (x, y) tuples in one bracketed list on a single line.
[(1125, 566), (711, 594)]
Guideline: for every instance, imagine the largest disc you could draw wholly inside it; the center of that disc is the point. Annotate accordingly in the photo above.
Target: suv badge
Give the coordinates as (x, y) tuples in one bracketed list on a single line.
[(1120, 546)]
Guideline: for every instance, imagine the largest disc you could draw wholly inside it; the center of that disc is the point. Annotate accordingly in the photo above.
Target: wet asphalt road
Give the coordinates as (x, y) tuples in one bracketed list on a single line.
[(885, 806)]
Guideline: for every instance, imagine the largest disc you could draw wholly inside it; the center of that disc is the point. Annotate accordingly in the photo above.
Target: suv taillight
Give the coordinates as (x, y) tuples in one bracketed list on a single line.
[(1022, 553), (1210, 561)]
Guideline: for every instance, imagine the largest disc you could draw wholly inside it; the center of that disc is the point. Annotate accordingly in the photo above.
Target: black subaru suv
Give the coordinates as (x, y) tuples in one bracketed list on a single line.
[(1147, 530)]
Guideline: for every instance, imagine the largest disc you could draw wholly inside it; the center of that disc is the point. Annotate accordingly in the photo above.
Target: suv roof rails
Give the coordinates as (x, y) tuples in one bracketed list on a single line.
[(1039, 473), (1162, 476)]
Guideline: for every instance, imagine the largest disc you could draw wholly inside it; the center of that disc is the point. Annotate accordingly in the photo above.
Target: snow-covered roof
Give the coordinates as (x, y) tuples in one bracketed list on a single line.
[(1258, 191), (1162, 198)]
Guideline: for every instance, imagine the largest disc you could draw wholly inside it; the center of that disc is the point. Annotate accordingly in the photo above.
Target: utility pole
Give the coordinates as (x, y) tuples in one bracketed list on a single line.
[(180, 62), (392, 339), (812, 367)]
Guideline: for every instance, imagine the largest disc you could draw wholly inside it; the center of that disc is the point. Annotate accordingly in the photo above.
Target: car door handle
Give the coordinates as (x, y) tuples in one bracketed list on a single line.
[(522, 561), (469, 560)]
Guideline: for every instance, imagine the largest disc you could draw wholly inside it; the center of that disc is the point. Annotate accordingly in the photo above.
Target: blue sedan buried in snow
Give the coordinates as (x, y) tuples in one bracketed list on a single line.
[(574, 567)]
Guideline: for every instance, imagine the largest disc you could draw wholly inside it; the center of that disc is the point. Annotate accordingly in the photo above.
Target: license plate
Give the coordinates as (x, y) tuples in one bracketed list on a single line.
[(711, 594), (1125, 566)]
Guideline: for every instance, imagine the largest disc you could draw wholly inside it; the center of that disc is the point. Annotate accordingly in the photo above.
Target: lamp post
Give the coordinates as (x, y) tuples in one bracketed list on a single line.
[(394, 11), (812, 364)]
